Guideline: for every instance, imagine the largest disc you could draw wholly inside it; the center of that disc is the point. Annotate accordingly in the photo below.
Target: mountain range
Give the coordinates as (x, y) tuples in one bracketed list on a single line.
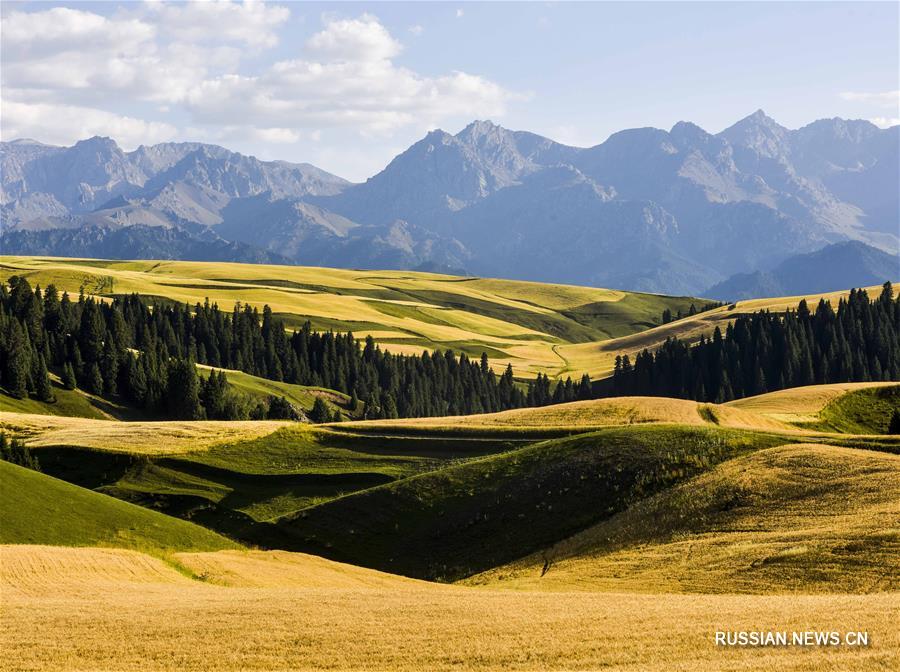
[(675, 211), (831, 269)]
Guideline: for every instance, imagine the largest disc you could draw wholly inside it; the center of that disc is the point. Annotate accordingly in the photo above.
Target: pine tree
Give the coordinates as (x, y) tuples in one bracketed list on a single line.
[(68, 376), (42, 387), (320, 412), (894, 424), (183, 391), (94, 379)]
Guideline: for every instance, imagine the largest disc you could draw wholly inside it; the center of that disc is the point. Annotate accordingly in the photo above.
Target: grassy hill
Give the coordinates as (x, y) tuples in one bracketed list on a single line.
[(515, 322), (853, 408), (38, 509), (752, 524), (598, 358), (269, 482), (81, 404), (462, 519)]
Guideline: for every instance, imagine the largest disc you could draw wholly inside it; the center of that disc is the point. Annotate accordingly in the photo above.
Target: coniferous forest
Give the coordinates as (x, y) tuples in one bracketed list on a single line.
[(146, 354), (860, 341)]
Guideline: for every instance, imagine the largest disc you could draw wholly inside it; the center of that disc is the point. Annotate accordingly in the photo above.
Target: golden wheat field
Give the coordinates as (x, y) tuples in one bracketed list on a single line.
[(100, 609)]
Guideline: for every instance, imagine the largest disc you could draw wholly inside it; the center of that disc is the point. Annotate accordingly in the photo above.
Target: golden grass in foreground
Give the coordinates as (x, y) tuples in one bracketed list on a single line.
[(805, 518), (151, 438), (78, 609)]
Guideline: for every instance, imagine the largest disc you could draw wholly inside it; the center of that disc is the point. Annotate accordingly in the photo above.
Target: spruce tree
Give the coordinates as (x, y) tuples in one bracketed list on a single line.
[(42, 387), (68, 376)]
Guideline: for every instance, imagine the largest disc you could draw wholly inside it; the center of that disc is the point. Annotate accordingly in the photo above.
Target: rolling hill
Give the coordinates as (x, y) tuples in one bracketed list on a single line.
[(60, 606), (577, 524), (751, 524), (520, 323), (39, 509)]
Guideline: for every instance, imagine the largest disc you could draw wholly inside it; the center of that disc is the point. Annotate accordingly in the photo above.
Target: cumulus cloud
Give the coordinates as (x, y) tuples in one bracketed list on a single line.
[(362, 39), (65, 124), (885, 122), (69, 73), (348, 78), (251, 22), (883, 98)]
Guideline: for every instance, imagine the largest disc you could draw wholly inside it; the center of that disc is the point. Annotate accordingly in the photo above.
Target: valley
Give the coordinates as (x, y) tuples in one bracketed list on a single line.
[(646, 514), (558, 535)]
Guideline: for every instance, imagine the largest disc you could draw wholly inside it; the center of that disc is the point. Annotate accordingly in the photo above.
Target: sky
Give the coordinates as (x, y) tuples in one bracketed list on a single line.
[(346, 86)]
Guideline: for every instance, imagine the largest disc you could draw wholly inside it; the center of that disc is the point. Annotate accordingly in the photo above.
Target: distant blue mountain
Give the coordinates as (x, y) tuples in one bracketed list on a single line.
[(835, 267)]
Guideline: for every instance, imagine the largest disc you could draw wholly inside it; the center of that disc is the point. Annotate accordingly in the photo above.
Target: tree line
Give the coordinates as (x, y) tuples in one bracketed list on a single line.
[(146, 354), (860, 341)]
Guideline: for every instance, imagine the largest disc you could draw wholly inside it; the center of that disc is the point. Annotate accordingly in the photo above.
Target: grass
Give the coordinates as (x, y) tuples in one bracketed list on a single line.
[(68, 403), (866, 411), (462, 519), (752, 524), (137, 438), (520, 323), (78, 609), (598, 357), (806, 406), (38, 509), (301, 396), (580, 416)]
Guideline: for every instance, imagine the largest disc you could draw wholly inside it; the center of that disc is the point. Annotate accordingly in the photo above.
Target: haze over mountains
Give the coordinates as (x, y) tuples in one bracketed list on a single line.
[(665, 211)]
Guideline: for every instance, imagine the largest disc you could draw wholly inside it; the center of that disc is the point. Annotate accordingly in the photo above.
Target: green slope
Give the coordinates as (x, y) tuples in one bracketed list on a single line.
[(462, 519), (69, 403), (865, 411), (301, 396), (752, 524), (38, 509)]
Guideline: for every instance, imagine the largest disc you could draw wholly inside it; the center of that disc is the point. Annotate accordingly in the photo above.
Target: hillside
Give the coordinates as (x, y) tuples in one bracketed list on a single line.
[(752, 524), (39, 509), (834, 267), (519, 323), (598, 358), (462, 519)]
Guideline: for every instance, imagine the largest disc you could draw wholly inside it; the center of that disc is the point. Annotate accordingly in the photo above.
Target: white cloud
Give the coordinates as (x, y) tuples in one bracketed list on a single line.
[(348, 79), (459, 13), (66, 124), (416, 29), (251, 22), (362, 39), (883, 98), (71, 73), (885, 122), (157, 52)]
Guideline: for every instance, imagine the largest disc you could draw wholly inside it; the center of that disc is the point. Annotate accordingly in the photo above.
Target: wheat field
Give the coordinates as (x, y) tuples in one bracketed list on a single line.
[(101, 609)]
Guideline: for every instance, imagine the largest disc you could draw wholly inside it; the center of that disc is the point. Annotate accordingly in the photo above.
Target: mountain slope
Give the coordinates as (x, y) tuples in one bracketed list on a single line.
[(847, 264), (648, 209)]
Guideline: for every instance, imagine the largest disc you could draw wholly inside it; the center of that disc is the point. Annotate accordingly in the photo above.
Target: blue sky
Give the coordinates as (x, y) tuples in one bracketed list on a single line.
[(346, 86)]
